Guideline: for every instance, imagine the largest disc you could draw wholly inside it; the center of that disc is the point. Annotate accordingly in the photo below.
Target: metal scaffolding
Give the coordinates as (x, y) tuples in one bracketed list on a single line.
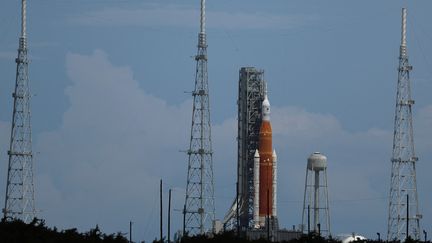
[(250, 98)]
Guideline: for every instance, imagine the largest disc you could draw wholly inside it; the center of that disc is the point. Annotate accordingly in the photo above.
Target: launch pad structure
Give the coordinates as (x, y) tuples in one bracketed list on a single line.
[(250, 97), (253, 212)]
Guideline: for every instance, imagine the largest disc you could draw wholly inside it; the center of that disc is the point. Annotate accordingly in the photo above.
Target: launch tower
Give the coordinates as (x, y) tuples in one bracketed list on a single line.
[(403, 217), (19, 200), (199, 210), (250, 97)]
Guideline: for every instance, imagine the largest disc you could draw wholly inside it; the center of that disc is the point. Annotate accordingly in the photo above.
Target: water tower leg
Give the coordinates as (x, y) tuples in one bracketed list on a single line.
[(316, 202)]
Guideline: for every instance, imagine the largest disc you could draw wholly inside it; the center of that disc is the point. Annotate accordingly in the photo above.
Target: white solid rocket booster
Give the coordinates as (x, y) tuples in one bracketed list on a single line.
[(274, 183), (256, 188)]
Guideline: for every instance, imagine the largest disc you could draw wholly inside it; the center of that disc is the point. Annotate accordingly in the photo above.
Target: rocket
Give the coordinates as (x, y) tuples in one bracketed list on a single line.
[(265, 171)]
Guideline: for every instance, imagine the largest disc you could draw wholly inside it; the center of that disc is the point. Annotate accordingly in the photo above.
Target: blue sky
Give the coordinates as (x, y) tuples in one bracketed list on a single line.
[(111, 109)]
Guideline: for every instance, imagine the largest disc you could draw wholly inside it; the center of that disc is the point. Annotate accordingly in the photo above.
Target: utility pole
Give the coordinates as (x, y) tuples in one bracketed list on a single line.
[(184, 220), (161, 212), (169, 216), (130, 231)]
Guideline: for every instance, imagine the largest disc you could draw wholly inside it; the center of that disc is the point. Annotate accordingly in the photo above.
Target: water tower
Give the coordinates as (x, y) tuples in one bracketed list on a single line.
[(316, 217)]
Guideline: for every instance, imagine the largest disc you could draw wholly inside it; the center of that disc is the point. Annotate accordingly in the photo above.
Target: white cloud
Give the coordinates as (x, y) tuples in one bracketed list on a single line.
[(298, 133), (297, 122), (177, 16), (115, 143)]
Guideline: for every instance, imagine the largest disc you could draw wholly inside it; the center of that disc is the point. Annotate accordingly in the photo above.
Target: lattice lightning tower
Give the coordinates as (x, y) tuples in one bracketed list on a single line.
[(404, 217), (19, 200), (199, 204)]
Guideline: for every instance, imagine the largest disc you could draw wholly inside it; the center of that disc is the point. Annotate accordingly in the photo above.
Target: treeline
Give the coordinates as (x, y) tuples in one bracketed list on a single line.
[(229, 237), (37, 232)]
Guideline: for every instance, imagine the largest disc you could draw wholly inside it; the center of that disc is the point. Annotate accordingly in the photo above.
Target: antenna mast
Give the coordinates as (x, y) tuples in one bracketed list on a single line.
[(19, 200), (199, 209), (403, 174)]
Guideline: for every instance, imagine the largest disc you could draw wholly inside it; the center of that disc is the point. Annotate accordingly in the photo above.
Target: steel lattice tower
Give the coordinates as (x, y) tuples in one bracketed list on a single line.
[(19, 200), (199, 204), (404, 217), (250, 97)]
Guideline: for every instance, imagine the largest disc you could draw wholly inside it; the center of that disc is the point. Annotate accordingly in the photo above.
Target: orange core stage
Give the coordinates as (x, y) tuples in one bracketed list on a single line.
[(265, 169)]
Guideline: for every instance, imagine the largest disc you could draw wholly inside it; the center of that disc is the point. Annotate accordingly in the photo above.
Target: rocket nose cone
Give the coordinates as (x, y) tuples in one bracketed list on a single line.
[(266, 101), (266, 109), (256, 154)]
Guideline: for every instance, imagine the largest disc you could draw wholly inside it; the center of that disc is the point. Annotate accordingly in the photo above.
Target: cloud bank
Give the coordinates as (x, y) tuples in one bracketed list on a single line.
[(115, 143)]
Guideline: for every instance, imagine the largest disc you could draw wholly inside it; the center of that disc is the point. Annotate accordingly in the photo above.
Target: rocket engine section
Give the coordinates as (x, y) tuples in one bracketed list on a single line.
[(265, 174)]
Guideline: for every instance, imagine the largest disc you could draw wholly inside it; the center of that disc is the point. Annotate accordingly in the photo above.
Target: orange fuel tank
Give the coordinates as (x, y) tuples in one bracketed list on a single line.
[(266, 164)]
